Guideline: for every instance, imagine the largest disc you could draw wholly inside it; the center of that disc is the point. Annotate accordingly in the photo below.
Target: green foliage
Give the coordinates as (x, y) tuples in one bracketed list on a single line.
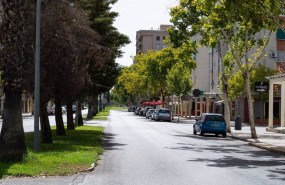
[(101, 20), (104, 71), (148, 77), (178, 80), (237, 85)]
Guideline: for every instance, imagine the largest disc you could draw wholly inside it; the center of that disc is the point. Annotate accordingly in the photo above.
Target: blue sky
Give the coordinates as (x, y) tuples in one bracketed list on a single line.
[(137, 15)]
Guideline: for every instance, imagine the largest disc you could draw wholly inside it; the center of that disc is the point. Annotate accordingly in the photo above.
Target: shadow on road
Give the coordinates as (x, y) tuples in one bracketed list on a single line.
[(250, 157), (109, 144)]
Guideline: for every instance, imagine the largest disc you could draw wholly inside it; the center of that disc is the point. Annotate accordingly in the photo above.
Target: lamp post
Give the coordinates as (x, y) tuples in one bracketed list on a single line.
[(37, 78)]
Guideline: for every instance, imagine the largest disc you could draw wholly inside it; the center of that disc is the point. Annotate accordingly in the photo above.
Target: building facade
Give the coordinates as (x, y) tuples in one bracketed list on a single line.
[(151, 39)]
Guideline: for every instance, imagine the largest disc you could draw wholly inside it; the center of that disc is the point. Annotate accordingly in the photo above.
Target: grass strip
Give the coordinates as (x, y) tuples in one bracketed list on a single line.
[(67, 155)]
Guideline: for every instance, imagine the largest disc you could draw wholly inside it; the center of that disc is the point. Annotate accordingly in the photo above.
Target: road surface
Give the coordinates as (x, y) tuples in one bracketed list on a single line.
[(139, 151)]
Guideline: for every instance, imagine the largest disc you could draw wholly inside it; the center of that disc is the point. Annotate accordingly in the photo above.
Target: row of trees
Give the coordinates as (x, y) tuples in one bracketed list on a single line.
[(157, 73), (234, 25), (79, 46)]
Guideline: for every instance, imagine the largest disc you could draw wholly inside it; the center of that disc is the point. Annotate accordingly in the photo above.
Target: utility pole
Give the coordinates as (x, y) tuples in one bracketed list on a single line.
[(37, 78)]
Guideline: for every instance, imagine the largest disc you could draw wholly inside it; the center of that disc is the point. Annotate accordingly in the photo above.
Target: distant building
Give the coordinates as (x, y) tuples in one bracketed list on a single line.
[(151, 39)]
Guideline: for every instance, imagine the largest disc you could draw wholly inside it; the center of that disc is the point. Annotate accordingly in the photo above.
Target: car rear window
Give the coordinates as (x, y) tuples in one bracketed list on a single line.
[(214, 118), (164, 111)]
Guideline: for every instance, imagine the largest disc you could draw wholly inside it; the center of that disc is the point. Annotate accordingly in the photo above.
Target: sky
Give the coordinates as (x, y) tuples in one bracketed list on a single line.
[(135, 15)]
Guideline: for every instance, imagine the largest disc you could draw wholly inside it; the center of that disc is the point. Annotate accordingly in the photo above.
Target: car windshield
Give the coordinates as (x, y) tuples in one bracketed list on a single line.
[(164, 111), (214, 118)]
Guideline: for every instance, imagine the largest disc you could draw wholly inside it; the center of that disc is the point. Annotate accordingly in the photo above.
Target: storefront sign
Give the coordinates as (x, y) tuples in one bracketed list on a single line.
[(261, 86)]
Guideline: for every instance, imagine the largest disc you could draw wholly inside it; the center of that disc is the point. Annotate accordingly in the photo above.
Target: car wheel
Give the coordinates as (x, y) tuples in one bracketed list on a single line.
[(224, 134), (201, 133), (194, 131)]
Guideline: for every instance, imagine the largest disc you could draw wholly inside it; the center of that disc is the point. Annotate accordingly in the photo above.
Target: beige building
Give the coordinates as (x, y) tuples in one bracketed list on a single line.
[(151, 39)]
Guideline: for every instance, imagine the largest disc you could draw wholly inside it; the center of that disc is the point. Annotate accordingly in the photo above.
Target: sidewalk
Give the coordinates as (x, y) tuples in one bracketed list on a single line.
[(271, 141)]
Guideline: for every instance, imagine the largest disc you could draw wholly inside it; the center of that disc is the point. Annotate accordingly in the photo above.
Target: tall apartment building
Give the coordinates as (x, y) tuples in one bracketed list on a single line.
[(151, 39)]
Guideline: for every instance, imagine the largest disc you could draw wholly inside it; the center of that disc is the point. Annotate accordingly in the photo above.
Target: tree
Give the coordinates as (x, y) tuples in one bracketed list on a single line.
[(101, 20), (236, 85), (237, 26), (66, 55), (16, 62), (178, 81)]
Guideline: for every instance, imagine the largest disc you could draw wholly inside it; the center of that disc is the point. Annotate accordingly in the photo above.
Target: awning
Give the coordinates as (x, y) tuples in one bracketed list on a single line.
[(219, 102)]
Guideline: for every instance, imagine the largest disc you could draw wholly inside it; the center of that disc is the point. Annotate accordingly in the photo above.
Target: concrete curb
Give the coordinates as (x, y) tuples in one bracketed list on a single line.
[(267, 147), (92, 167), (235, 137), (259, 144)]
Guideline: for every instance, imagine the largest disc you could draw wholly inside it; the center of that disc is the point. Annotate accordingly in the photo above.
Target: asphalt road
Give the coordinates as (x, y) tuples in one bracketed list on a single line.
[(28, 121), (139, 151)]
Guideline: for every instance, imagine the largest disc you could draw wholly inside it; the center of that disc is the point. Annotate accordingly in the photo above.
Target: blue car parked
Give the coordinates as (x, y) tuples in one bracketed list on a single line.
[(210, 123)]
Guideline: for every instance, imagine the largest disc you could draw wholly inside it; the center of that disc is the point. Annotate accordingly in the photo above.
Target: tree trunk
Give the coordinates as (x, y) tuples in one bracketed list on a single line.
[(172, 108), (60, 130), (100, 103), (90, 110), (46, 134), (96, 106), (80, 118), (250, 106), (225, 90), (246, 75), (12, 139), (178, 108), (70, 123)]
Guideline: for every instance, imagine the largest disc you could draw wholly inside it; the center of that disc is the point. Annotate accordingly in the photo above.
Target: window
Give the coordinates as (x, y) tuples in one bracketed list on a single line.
[(164, 46), (157, 37), (280, 35), (163, 38), (214, 118), (164, 111), (157, 46)]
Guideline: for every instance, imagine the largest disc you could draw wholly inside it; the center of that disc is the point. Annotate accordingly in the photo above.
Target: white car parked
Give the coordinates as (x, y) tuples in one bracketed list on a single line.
[(149, 113)]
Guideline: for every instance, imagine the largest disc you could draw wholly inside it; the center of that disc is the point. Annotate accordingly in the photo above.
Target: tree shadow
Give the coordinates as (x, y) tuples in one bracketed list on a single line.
[(4, 168), (72, 141), (277, 173), (109, 144), (251, 157), (230, 161), (228, 148)]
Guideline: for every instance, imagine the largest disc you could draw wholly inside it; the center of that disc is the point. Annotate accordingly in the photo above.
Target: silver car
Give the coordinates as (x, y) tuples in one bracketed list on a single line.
[(162, 114), (149, 113), (153, 114)]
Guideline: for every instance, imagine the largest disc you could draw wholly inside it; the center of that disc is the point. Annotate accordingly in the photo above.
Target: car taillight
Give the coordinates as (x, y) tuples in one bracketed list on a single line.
[(204, 121)]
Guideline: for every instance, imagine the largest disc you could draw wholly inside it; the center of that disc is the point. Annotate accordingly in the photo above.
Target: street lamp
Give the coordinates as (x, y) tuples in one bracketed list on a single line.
[(37, 78)]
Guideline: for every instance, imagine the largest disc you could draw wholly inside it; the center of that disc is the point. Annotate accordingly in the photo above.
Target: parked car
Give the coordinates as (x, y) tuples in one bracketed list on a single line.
[(138, 111), (73, 109), (145, 110), (162, 114), (63, 109), (141, 112), (153, 114), (149, 113), (134, 108), (130, 109), (210, 123), (50, 111)]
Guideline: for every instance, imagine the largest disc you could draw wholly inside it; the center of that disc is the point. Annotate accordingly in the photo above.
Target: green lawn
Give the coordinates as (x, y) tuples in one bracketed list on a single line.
[(69, 154), (104, 113)]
